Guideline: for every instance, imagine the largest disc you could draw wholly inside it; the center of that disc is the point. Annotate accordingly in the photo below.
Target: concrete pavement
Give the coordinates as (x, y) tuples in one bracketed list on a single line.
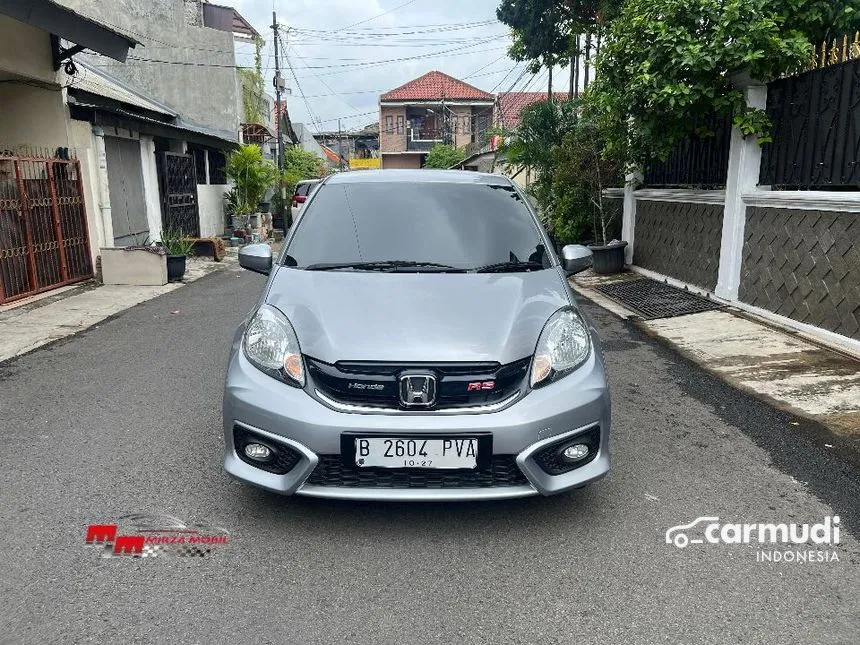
[(125, 418), (37, 321)]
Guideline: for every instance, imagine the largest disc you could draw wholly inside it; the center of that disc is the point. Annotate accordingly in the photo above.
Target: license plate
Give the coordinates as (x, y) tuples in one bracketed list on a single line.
[(416, 453)]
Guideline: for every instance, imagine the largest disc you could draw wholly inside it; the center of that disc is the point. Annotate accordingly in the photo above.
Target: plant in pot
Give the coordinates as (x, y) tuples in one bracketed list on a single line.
[(235, 212), (582, 171), (178, 248), (253, 176)]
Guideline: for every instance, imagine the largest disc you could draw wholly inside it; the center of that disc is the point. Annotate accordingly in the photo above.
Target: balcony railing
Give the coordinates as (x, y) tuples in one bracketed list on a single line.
[(422, 139)]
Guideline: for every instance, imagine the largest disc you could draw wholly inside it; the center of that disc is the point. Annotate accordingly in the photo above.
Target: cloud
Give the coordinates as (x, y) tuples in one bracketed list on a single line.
[(347, 79)]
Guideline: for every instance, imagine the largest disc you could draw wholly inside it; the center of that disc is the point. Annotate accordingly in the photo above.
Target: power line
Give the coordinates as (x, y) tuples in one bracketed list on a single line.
[(361, 22), (346, 66), (302, 94), (326, 85), (452, 26)]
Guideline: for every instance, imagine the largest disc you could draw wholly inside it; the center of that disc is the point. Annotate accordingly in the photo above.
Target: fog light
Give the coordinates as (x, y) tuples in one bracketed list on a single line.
[(258, 452), (576, 451)]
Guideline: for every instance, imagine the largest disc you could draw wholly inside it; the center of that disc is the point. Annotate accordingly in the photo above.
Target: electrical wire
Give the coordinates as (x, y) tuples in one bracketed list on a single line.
[(379, 15)]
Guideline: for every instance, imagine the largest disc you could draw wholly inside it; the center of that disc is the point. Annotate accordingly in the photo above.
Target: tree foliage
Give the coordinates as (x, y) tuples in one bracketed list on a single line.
[(542, 127), (544, 31), (444, 156), (303, 164), (567, 153), (666, 65)]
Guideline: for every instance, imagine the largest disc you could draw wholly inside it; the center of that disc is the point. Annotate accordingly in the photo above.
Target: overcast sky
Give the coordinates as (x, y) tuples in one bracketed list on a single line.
[(342, 69)]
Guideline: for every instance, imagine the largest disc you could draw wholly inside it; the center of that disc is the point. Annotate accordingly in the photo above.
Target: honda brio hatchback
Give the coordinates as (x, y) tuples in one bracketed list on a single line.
[(417, 339)]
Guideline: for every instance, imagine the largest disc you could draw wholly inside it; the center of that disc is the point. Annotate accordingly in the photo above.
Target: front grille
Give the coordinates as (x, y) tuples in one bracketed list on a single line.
[(552, 462), (377, 384), (331, 471), (285, 458)]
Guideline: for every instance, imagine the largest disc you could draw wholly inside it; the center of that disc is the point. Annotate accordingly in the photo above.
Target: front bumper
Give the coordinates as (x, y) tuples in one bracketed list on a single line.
[(290, 417)]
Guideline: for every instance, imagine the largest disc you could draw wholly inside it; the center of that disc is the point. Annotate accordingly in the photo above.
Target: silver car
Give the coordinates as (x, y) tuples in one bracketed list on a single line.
[(416, 340)]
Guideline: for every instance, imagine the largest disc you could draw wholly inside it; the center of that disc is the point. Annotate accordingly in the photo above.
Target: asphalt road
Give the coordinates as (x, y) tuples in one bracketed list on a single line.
[(125, 418)]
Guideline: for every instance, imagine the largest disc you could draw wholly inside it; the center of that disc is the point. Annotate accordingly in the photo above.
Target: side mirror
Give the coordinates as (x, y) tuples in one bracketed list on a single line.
[(575, 258), (256, 257)]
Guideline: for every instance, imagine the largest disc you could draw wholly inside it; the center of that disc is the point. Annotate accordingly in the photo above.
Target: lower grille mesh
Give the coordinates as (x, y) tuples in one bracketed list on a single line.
[(331, 471)]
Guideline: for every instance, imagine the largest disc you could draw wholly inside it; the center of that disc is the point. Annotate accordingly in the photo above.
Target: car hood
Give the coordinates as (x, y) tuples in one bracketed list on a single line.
[(417, 317)]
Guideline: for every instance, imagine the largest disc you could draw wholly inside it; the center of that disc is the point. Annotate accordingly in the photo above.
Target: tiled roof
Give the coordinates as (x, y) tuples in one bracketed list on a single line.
[(435, 85), (511, 105)]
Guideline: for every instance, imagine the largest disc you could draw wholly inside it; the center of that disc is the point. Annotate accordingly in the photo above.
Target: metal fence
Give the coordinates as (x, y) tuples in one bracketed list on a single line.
[(816, 126), (700, 162), (44, 242)]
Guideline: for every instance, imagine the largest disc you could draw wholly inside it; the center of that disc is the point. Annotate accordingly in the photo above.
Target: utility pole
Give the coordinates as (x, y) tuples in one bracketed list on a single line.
[(279, 84), (339, 146)]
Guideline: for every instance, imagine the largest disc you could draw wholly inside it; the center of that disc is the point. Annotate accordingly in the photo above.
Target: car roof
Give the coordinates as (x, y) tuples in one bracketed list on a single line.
[(422, 176), (308, 181)]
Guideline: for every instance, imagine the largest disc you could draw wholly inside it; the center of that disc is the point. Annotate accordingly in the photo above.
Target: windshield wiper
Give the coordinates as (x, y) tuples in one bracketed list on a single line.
[(385, 265), (510, 266)]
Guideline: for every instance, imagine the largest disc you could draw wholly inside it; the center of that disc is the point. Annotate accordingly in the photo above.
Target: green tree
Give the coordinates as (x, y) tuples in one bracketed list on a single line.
[(545, 31), (666, 65), (542, 127), (444, 156), (304, 164), (581, 172)]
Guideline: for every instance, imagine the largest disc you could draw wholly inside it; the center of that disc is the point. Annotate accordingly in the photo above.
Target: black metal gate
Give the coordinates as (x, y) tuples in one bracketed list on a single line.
[(178, 178), (44, 242), (816, 128)]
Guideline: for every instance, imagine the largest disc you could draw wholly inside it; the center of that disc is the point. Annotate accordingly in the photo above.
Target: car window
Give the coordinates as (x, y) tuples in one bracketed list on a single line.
[(461, 225)]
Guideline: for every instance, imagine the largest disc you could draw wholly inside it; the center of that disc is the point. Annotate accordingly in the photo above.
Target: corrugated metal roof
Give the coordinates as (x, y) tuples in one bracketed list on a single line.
[(102, 84)]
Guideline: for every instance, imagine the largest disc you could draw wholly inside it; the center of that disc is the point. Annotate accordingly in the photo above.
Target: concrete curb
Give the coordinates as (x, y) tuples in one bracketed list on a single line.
[(779, 367)]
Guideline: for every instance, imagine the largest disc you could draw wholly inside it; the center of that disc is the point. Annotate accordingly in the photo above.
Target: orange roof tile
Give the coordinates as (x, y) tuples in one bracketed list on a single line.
[(435, 85)]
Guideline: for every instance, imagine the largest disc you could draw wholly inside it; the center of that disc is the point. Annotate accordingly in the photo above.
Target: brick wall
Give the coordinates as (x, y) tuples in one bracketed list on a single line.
[(805, 265), (392, 142), (409, 161)]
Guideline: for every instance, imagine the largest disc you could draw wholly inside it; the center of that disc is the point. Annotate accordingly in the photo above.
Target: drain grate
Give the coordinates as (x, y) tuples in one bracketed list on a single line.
[(651, 299)]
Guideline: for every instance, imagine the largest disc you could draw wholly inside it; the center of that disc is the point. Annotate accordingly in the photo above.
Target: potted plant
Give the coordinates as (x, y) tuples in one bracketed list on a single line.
[(589, 171), (178, 247), (253, 176)]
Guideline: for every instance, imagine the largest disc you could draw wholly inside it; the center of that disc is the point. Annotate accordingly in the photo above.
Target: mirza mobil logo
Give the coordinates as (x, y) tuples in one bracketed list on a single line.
[(148, 536), (780, 542)]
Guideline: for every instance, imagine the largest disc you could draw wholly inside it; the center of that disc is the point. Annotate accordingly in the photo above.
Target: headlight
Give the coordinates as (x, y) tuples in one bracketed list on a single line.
[(271, 344), (563, 346)]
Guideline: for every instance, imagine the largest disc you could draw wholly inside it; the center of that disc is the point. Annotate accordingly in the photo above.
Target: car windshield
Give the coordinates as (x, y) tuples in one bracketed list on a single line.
[(456, 225)]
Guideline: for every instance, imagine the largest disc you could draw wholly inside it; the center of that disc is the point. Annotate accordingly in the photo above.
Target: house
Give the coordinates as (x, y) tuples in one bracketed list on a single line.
[(188, 66), (46, 237), (509, 107), (102, 148), (431, 109), (359, 149)]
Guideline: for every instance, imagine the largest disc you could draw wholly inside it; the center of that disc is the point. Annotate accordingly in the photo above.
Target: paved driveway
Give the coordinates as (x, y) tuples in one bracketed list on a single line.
[(125, 418)]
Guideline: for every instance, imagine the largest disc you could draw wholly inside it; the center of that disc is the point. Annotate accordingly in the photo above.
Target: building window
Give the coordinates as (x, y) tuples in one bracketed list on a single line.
[(389, 124), (199, 163), (217, 166), (467, 124), (399, 125)]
